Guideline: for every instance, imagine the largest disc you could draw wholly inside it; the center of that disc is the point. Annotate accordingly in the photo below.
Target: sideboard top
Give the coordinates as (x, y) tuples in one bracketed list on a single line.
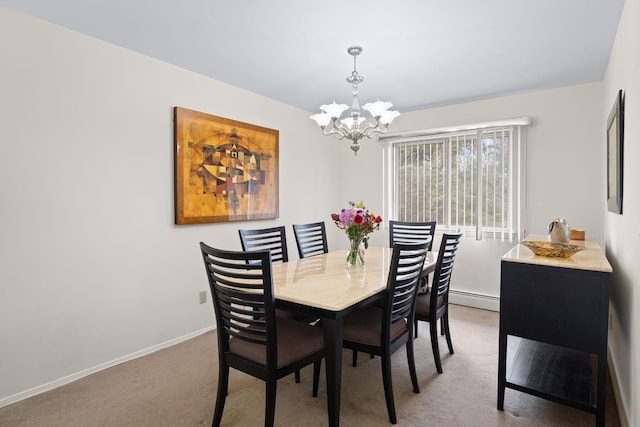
[(592, 258)]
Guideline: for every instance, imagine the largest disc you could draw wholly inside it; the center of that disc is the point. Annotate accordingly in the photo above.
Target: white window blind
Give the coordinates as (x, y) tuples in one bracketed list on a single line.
[(471, 179)]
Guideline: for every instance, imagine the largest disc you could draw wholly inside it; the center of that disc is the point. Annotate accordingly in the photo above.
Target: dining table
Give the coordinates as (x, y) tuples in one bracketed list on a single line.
[(324, 286)]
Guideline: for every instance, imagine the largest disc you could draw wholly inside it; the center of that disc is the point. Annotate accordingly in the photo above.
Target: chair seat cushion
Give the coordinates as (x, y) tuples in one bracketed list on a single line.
[(423, 303), (365, 326), (295, 341)]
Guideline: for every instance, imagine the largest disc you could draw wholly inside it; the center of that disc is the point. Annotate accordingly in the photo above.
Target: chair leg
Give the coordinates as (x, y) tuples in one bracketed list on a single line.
[(354, 358), (433, 329), (412, 366), (415, 327), (445, 322), (316, 377), (297, 376), (388, 387), (442, 326), (223, 387), (270, 404)]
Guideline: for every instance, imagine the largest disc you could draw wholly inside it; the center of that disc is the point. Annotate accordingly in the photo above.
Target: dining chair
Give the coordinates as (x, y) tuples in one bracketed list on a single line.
[(413, 232), (381, 330), (311, 239), (434, 305), (274, 239), (251, 338)]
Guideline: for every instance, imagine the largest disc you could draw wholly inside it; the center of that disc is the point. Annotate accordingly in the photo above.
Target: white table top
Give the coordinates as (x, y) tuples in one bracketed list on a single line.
[(325, 281), (590, 259)]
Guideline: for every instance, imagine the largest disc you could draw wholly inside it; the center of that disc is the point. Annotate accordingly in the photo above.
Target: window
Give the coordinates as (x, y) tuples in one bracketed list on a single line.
[(470, 178)]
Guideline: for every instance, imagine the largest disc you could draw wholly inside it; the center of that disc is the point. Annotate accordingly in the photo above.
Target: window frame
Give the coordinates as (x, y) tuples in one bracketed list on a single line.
[(517, 173)]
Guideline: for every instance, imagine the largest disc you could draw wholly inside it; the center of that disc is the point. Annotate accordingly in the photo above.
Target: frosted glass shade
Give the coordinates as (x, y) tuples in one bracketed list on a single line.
[(348, 122), (377, 108), (334, 110), (388, 116), (322, 119)]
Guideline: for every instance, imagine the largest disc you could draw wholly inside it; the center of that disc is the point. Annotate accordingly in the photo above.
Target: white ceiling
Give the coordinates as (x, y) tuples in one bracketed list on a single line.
[(417, 53)]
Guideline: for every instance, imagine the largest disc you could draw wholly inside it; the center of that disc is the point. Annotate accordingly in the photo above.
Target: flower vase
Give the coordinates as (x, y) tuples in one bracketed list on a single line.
[(355, 256)]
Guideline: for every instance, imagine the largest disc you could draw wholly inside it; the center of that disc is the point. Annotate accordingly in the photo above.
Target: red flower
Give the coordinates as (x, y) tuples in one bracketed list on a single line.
[(335, 217), (358, 219), (378, 219)]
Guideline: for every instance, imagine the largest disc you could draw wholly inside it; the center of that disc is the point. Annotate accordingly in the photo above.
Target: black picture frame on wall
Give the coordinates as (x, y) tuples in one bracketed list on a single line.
[(615, 146)]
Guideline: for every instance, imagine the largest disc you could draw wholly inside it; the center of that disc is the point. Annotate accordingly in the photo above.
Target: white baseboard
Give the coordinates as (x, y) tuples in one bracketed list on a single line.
[(5, 401), (469, 299), (615, 385)]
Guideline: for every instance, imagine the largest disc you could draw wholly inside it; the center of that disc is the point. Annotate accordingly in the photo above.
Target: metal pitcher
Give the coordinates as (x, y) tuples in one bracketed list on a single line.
[(559, 231)]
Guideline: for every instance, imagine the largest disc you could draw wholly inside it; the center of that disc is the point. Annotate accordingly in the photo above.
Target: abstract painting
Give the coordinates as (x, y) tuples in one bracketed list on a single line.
[(225, 170)]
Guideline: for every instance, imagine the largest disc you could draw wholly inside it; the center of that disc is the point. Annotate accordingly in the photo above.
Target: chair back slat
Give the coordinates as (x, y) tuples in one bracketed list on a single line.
[(444, 266), (242, 291), (311, 239), (273, 239), (411, 232), (407, 262)]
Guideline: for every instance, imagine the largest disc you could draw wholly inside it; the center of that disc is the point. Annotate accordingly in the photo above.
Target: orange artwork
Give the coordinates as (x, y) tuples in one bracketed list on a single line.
[(225, 170)]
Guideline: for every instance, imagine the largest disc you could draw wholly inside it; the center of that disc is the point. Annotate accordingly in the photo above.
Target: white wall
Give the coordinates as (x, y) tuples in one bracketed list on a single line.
[(92, 267), (564, 173), (622, 232)]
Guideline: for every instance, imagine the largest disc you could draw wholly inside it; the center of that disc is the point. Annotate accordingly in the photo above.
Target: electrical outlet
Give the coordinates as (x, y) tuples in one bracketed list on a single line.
[(203, 297)]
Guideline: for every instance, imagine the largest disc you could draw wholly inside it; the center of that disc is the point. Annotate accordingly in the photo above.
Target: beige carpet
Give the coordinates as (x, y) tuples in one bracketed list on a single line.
[(176, 387)]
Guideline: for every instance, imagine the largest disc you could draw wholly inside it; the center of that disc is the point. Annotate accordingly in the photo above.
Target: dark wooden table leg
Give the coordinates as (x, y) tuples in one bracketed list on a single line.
[(333, 356)]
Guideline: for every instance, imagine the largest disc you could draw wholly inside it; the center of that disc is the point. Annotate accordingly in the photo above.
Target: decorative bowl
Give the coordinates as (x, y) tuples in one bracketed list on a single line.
[(552, 249)]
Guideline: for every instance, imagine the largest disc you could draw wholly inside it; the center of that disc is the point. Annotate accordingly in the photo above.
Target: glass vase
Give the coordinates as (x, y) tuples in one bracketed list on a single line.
[(355, 255)]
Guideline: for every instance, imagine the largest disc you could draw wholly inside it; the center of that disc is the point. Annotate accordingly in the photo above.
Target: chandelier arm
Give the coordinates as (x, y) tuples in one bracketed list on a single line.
[(342, 128), (370, 127), (334, 131), (377, 129)]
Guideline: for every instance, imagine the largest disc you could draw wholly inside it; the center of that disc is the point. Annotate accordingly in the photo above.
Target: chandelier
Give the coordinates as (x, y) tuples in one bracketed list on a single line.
[(354, 126)]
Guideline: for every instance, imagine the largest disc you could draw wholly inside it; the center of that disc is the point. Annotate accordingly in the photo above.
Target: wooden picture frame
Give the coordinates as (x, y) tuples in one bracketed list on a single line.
[(225, 170), (615, 147)]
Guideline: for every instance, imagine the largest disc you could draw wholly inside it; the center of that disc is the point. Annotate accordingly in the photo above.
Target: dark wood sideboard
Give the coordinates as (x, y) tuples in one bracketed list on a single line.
[(553, 327)]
